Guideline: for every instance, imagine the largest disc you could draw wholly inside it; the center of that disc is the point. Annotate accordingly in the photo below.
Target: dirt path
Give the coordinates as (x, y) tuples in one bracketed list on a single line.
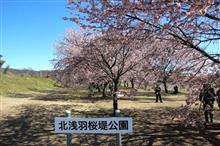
[(10, 106)]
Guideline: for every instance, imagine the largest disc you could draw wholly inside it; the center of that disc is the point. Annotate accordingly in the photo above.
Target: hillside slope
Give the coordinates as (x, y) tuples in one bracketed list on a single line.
[(10, 85)]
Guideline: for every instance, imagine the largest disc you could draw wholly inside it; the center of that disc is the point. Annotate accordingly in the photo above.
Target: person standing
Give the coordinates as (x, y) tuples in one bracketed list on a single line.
[(175, 88), (218, 97), (157, 91), (207, 97)]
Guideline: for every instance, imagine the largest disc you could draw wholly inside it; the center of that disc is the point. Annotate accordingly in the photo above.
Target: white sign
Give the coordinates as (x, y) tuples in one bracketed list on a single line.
[(93, 125), (119, 94)]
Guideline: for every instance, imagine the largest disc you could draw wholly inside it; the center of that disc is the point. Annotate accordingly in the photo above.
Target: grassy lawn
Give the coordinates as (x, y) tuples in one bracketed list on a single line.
[(11, 85)]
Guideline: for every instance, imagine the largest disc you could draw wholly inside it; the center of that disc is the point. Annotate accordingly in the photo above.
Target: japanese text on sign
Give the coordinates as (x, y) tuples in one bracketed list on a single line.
[(93, 125)]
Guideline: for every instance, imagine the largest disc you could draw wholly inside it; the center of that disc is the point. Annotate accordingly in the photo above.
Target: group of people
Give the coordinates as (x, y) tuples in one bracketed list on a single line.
[(207, 97), (157, 91)]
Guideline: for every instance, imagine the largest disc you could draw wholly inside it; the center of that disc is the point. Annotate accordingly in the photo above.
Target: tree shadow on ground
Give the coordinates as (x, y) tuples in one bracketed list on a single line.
[(34, 127), (152, 93), (68, 95), (60, 95)]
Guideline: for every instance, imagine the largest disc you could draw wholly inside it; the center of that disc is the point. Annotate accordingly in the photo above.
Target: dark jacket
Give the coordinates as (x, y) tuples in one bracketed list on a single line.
[(157, 90), (207, 96)]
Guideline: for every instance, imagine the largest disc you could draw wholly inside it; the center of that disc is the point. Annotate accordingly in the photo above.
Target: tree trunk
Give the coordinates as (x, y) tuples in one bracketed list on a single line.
[(91, 92), (125, 83), (104, 89), (165, 85), (132, 83), (145, 85), (98, 88), (111, 88), (119, 84), (115, 98)]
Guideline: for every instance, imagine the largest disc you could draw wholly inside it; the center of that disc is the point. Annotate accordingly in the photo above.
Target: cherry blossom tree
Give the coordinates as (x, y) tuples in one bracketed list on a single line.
[(173, 61), (193, 24), (107, 57)]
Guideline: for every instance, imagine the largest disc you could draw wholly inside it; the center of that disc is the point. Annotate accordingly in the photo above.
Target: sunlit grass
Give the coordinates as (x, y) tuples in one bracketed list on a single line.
[(10, 85)]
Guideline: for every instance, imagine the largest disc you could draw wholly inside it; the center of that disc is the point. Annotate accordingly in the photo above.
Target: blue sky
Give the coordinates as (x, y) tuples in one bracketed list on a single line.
[(29, 31)]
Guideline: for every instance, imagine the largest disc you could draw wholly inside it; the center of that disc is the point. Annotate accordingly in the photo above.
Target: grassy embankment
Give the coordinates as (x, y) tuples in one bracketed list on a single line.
[(11, 85)]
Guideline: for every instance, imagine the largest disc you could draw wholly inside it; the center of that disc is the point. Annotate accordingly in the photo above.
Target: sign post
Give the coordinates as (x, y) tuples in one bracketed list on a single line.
[(118, 135), (68, 142)]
